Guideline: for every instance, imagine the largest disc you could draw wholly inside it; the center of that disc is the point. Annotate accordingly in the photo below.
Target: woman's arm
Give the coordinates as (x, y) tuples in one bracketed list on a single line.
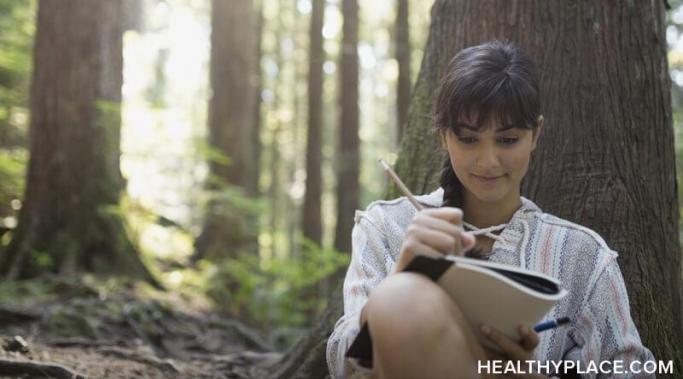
[(366, 270)]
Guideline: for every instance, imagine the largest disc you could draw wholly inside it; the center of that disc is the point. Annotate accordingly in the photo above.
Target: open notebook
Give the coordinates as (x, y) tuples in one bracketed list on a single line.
[(498, 295)]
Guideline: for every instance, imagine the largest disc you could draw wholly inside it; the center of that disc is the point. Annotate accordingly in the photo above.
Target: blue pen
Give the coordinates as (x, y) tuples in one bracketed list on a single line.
[(545, 325)]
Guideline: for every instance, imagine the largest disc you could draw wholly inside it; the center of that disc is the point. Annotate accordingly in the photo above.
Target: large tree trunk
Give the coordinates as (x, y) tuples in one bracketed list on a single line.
[(348, 158), (606, 156), (312, 227), (402, 43), (227, 227), (70, 219)]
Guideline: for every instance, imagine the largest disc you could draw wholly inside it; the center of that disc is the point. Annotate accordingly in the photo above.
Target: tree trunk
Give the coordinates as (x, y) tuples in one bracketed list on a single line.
[(606, 156), (70, 220), (254, 189), (312, 227), (348, 157), (227, 227), (402, 41)]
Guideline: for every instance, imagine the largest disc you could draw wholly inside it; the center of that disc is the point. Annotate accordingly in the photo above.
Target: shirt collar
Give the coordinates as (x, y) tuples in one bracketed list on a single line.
[(515, 233), (435, 199)]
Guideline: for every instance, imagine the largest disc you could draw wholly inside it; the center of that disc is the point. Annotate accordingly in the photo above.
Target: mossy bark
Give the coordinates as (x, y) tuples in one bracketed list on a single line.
[(70, 219)]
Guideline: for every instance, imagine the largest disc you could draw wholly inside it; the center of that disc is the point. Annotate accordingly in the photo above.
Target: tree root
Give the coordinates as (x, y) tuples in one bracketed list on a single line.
[(48, 370)]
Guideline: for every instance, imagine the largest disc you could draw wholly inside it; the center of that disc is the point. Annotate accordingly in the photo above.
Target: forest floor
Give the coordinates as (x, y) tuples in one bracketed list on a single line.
[(57, 328)]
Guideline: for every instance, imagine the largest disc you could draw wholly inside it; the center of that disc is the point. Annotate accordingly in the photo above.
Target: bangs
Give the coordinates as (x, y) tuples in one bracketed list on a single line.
[(488, 84), (491, 101)]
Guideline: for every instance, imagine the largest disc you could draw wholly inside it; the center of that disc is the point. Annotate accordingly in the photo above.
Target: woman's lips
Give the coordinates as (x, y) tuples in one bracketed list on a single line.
[(487, 179)]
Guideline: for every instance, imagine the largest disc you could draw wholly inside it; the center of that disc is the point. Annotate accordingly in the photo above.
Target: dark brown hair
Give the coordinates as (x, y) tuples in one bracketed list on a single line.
[(492, 80)]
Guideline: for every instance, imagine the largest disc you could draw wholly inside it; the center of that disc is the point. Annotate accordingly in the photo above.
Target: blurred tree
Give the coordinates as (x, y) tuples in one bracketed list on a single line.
[(348, 157), (312, 221), (606, 157), (402, 46), (254, 189), (70, 219), (227, 228)]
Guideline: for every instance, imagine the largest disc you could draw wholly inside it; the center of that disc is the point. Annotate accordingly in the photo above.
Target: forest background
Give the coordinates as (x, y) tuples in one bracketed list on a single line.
[(242, 245)]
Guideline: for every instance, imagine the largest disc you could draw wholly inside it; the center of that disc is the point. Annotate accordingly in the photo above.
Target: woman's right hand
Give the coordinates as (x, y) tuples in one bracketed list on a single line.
[(434, 232)]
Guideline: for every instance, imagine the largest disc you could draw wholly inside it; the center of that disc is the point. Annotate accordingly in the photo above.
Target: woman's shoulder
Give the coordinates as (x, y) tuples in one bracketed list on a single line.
[(399, 209), (577, 235)]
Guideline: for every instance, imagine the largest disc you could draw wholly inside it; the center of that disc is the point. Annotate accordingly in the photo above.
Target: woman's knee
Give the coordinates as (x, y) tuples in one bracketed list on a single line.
[(411, 306)]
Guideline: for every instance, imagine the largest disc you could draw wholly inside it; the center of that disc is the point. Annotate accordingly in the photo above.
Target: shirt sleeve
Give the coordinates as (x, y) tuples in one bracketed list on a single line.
[(605, 330), (367, 268)]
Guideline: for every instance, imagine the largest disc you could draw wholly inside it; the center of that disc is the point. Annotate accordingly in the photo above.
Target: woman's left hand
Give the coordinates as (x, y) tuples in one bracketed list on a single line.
[(516, 351)]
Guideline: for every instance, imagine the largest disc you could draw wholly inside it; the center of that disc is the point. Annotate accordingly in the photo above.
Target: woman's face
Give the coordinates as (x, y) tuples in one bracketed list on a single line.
[(491, 162)]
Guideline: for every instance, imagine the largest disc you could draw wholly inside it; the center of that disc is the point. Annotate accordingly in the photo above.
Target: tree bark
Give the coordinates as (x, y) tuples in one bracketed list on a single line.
[(402, 41), (70, 220), (226, 225), (312, 227), (348, 157), (606, 156)]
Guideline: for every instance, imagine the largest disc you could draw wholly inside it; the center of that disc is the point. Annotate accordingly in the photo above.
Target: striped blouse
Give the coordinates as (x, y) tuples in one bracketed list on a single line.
[(601, 328)]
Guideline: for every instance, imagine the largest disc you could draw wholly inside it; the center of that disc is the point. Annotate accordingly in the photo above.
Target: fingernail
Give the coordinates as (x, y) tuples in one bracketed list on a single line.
[(485, 330)]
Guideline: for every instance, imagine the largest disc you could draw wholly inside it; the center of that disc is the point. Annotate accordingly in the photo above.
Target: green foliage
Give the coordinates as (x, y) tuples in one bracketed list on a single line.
[(17, 27), (210, 153), (16, 38), (12, 166), (278, 291)]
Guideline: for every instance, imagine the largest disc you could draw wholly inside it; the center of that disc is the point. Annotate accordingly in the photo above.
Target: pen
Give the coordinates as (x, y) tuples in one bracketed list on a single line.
[(550, 324), (400, 184)]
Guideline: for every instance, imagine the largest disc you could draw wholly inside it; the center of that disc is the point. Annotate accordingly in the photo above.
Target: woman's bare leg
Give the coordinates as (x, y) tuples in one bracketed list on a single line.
[(419, 332)]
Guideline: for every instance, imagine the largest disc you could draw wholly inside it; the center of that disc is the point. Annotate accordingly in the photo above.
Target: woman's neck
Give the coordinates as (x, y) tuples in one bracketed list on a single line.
[(484, 214)]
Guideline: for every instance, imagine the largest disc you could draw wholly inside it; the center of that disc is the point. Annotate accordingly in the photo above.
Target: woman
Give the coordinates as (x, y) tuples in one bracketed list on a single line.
[(488, 116)]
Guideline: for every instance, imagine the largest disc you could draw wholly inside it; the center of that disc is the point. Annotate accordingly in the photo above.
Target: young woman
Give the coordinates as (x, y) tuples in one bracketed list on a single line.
[(488, 116)]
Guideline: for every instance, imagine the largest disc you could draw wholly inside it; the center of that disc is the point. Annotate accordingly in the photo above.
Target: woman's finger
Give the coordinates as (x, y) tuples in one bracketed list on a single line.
[(415, 247), (530, 338), (436, 239), (450, 214), (435, 223), (510, 347)]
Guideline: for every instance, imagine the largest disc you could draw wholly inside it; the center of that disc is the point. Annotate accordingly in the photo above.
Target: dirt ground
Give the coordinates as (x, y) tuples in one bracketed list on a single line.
[(81, 333)]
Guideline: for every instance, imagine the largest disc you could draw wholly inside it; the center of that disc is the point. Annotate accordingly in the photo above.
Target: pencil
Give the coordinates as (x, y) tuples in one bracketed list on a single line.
[(392, 175)]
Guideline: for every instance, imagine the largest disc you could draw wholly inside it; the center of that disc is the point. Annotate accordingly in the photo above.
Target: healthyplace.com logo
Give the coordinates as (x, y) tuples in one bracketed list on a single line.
[(563, 367)]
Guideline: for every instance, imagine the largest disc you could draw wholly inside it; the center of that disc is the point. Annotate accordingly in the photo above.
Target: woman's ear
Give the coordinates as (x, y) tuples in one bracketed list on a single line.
[(442, 137), (537, 132)]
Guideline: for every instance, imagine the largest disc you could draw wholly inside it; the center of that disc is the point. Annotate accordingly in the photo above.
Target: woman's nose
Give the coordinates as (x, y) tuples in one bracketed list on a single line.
[(488, 158)]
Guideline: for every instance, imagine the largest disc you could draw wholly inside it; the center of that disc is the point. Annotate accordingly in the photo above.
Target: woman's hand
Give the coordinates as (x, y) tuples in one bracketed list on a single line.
[(434, 232), (516, 351)]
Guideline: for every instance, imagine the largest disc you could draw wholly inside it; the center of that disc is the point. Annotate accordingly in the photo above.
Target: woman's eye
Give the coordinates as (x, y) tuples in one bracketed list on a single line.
[(509, 140), (466, 140)]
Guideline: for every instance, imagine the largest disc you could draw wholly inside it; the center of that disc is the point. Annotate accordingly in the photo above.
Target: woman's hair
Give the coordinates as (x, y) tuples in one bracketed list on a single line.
[(493, 81)]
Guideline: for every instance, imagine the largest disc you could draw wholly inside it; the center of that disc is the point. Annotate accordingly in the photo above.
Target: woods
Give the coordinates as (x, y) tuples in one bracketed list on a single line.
[(73, 182), (179, 179)]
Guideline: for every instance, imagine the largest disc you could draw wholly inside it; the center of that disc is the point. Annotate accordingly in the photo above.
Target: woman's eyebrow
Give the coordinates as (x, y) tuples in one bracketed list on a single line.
[(475, 129), (506, 127), (466, 126)]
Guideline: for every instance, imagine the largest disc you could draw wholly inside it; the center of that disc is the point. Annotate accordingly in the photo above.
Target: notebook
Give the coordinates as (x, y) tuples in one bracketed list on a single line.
[(499, 295)]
